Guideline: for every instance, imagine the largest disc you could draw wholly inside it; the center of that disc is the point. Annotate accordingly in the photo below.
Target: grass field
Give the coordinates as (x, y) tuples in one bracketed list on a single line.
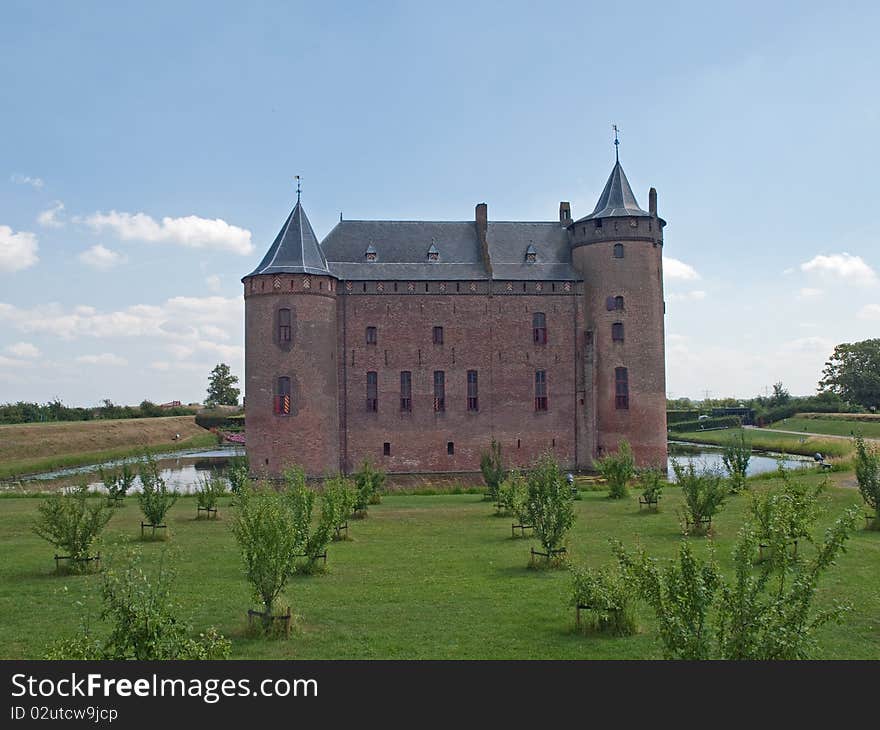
[(831, 426), (423, 577), (782, 442), (36, 447)]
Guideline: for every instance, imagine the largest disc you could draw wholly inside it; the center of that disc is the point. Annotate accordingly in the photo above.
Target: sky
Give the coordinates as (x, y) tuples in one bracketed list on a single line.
[(148, 154)]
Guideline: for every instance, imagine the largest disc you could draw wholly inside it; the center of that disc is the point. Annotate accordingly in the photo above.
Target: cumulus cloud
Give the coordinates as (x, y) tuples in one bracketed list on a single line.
[(213, 282), (675, 269), (101, 258), (809, 293), (49, 217), (23, 349), (105, 358), (870, 312), (17, 250), (690, 296), (189, 231), (852, 269), (34, 182)]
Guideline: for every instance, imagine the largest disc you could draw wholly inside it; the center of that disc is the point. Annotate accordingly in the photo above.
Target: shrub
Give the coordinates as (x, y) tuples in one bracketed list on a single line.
[(868, 477), (704, 495), (209, 490), (72, 523), (609, 598), (238, 473), (652, 482), (617, 469), (549, 506), (154, 498), (493, 470), (145, 623), (302, 502), (368, 482), (337, 503), (265, 527), (117, 481), (735, 456), (513, 494)]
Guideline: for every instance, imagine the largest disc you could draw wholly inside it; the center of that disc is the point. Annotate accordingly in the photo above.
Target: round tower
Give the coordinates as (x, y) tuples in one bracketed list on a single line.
[(618, 251), (291, 401)]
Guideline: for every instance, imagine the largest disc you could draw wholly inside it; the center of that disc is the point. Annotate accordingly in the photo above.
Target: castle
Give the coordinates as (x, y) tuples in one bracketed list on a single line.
[(414, 344)]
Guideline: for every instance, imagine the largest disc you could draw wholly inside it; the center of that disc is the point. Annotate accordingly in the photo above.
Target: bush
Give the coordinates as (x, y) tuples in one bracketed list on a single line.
[(145, 623), (617, 469), (513, 494), (868, 477), (72, 523), (337, 503), (209, 490), (493, 470), (154, 498), (652, 482), (265, 528), (368, 482), (736, 455), (302, 502), (117, 481), (609, 598), (707, 423), (704, 495), (549, 506), (238, 473)]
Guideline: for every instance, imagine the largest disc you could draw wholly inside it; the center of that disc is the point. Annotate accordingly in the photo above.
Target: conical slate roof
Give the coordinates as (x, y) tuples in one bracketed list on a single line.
[(617, 198), (296, 249)]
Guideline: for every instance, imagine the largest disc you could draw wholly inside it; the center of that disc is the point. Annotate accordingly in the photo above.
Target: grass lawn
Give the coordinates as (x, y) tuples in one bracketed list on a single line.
[(834, 427), (783, 442), (423, 577)]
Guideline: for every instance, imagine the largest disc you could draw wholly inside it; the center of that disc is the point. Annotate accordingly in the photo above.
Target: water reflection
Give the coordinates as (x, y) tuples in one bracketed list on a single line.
[(709, 457)]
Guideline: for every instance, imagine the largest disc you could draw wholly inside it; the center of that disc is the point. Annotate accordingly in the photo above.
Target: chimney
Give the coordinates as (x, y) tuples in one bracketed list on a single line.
[(652, 202), (564, 211), (481, 215)]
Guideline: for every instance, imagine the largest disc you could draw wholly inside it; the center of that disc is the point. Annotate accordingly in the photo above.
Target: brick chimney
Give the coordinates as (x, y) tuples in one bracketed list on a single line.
[(564, 212), (652, 202), (481, 216)]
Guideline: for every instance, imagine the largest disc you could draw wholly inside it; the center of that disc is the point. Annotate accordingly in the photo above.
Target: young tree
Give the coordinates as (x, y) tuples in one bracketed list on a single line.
[(301, 499), (238, 473), (868, 477), (221, 387), (549, 507), (736, 455), (618, 469), (337, 503), (367, 482), (652, 482), (853, 373), (209, 490), (704, 495), (609, 598), (513, 495), (782, 517), (117, 481), (155, 498), (493, 469)]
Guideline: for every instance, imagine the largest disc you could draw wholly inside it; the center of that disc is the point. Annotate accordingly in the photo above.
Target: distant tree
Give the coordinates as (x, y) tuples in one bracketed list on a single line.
[(221, 390), (853, 373), (780, 396)]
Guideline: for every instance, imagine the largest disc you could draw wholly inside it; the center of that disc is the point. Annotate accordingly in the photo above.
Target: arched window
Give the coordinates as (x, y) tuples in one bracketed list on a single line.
[(617, 332), (282, 396), (284, 331), (618, 250), (621, 388), (539, 328)]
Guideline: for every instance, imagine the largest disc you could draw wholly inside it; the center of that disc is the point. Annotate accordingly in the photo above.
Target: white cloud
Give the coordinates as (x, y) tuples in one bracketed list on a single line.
[(189, 231), (34, 182), (23, 349), (844, 266), (870, 311), (101, 258), (105, 358), (675, 269), (213, 283), (807, 345), (17, 250), (809, 293), (691, 296), (49, 218)]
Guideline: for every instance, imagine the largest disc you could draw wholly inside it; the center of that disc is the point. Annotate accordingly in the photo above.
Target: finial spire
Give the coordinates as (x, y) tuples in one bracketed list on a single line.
[(298, 188), (616, 143)]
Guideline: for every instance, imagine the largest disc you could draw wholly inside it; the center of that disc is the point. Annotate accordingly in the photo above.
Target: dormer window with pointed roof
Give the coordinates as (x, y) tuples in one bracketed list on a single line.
[(433, 253), (531, 254), (371, 253)]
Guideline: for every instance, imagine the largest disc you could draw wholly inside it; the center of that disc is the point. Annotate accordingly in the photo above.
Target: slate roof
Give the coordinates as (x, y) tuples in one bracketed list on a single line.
[(617, 198), (295, 249)]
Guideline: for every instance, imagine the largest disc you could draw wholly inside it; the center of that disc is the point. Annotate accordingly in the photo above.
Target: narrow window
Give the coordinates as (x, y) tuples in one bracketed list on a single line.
[(386, 449), (439, 391), (618, 250), (372, 336), (438, 336), (282, 396), (598, 222), (539, 328), (406, 391), (450, 448), (618, 303), (283, 325), (540, 390), (372, 391), (473, 403), (617, 332), (621, 388)]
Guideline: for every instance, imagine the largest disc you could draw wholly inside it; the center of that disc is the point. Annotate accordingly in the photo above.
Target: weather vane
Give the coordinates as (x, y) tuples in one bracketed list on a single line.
[(616, 143), (298, 188)]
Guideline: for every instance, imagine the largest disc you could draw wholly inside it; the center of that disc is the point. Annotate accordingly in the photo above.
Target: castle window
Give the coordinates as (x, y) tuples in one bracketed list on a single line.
[(370, 253), (283, 325), (450, 448), (540, 390), (617, 332), (621, 388), (386, 449), (282, 397), (437, 336), (618, 303), (598, 222), (618, 250), (433, 253), (439, 391), (372, 391), (473, 402), (406, 391), (531, 254), (539, 328), (372, 336)]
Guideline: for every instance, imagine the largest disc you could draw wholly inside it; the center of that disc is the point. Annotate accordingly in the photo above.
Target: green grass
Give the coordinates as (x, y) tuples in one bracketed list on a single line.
[(24, 467), (423, 577), (782, 442), (830, 426)]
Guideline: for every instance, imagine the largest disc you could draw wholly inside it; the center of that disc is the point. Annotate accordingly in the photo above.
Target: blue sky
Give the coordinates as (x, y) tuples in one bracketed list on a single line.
[(147, 155)]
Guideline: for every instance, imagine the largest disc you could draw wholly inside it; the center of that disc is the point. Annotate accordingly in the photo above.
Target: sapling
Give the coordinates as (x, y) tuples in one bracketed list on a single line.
[(493, 470), (209, 490), (704, 493), (736, 455), (368, 481), (652, 482), (618, 469), (155, 498), (608, 598), (868, 478), (337, 502), (549, 508)]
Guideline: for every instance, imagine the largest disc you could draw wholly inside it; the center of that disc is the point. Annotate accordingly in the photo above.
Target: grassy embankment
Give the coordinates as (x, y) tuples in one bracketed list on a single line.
[(763, 440), (37, 447), (423, 577), (869, 428)]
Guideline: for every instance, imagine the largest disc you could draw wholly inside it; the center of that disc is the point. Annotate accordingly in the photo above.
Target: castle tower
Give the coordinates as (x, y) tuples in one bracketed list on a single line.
[(618, 251), (291, 401)]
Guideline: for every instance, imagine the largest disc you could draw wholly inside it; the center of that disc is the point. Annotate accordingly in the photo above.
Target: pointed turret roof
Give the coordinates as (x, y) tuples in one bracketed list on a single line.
[(617, 198), (295, 250)]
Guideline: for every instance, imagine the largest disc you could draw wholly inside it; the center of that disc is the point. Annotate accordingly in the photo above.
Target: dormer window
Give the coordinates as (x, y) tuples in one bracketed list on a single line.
[(531, 254), (433, 253), (370, 254)]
